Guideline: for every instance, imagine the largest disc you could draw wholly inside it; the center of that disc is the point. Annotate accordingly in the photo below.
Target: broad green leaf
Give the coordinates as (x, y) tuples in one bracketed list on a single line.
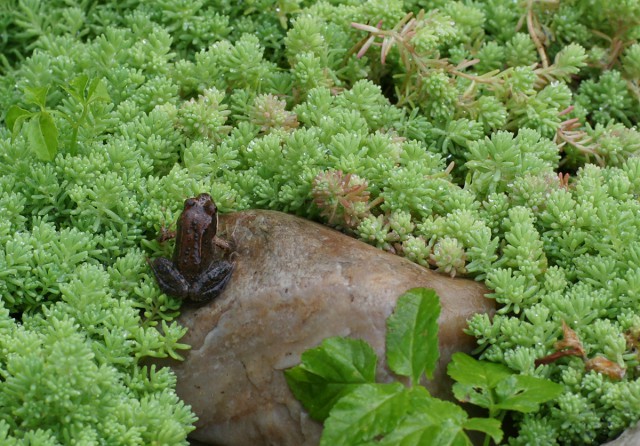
[(369, 411), (434, 410), (42, 135), (50, 133), (36, 95), (525, 393), (476, 379), (414, 432), (330, 371), (412, 334), (489, 426), (76, 88), (467, 370), (16, 115), (97, 92), (85, 91), (467, 393), (430, 421)]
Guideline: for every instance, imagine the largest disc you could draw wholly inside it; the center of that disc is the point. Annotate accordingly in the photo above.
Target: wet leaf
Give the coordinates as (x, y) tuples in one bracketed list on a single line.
[(412, 334), (329, 372)]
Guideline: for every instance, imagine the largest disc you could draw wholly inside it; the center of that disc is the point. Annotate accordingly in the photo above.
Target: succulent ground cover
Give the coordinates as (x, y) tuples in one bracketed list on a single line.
[(493, 139)]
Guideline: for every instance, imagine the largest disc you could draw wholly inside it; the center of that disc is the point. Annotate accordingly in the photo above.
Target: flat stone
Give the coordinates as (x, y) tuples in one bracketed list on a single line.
[(630, 437), (296, 283)]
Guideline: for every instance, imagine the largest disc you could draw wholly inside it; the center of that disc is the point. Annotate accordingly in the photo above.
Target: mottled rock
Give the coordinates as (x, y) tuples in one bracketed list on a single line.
[(296, 283)]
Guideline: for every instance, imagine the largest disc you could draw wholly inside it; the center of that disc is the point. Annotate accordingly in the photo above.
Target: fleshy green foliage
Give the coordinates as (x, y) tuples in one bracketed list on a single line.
[(356, 409), (488, 138), (494, 164), (63, 382), (587, 236), (609, 99)]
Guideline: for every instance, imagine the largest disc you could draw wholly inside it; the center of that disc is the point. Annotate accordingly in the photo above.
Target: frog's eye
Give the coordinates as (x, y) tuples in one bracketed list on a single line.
[(189, 202)]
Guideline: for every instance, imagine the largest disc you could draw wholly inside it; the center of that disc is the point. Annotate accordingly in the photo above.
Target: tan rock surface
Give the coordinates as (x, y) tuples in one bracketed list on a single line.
[(296, 283), (630, 437)]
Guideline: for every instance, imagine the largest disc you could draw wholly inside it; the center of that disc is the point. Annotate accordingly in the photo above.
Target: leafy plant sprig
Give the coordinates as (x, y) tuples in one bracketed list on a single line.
[(40, 129), (86, 93), (336, 383)]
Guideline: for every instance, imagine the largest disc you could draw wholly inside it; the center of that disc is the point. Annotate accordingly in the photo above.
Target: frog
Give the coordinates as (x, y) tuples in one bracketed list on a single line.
[(197, 271)]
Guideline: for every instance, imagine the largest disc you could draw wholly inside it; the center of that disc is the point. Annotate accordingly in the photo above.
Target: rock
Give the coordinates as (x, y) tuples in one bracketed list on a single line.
[(630, 437), (295, 284)]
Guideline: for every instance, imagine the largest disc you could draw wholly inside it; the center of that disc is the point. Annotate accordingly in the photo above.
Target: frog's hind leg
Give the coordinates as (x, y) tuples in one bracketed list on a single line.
[(169, 279), (211, 282)]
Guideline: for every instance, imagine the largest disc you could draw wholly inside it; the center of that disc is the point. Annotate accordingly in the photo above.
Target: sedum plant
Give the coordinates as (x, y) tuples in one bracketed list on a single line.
[(491, 139)]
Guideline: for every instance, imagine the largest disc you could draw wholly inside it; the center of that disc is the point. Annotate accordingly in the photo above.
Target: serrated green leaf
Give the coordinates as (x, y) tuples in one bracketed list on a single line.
[(467, 370), (466, 393), (367, 412), (50, 133), (524, 393), (86, 91), (496, 387), (13, 114), (430, 421), (412, 334), (415, 433), (42, 135), (434, 410), (97, 92), (331, 371), (475, 379), (15, 118), (489, 426), (76, 88), (36, 95)]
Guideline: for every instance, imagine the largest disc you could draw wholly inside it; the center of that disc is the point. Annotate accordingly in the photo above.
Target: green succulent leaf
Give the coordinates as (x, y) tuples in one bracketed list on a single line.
[(412, 334), (331, 371)]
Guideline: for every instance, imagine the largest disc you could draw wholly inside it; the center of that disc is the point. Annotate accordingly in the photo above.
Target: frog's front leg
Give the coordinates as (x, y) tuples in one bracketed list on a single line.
[(170, 280), (212, 281)]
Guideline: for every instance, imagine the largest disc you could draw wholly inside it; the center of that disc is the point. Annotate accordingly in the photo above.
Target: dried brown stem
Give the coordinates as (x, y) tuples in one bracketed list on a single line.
[(533, 32), (571, 132)]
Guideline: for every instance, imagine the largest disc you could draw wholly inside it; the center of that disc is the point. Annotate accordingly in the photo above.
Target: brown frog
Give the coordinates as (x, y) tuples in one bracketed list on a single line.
[(197, 271)]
